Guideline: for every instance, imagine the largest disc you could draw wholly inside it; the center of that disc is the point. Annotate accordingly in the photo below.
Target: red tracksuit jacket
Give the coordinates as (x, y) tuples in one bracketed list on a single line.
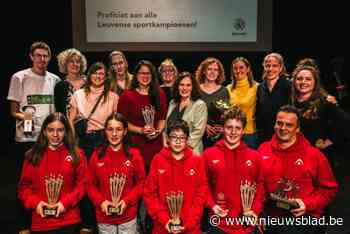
[(186, 175), (225, 170), (98, 182), (31, 187), (306, 166)]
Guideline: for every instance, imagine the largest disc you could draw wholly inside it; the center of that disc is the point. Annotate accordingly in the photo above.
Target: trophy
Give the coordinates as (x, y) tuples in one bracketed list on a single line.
[(53, 185), (248, 190), (28, 125), (148, 114), (175, 201), (220, 106), (116, 186), (280, 195)]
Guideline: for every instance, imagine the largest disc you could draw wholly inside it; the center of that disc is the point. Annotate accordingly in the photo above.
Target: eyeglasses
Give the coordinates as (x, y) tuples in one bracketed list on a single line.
[(178, 138)]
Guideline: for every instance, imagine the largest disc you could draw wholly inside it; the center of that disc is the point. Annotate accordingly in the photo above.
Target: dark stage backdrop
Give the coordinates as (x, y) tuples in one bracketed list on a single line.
[(300, 29)]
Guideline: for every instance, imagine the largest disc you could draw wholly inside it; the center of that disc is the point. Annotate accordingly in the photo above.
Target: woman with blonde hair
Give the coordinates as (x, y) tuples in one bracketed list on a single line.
[(72, 63), (168, 74), (120, 78), (242, 92)]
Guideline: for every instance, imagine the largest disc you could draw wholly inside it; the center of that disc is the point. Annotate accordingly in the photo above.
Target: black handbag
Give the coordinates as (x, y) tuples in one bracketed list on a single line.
[(80, 125)]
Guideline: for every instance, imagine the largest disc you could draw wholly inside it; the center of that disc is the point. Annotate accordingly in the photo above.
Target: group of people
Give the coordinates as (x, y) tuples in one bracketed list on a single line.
[(189, 148)]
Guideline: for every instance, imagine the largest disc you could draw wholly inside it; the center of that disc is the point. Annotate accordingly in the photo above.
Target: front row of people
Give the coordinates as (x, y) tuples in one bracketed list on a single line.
[(286, 178)]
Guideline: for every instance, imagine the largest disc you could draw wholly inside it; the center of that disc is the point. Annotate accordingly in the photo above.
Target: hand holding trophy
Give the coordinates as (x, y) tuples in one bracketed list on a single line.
[(175, 201), (53, 185), (148, 114), (116, 186), (248, 190)]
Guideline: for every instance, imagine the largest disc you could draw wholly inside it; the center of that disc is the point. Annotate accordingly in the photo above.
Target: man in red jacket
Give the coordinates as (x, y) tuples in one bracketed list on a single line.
[(297, 173), (234, 177), (175, 189)]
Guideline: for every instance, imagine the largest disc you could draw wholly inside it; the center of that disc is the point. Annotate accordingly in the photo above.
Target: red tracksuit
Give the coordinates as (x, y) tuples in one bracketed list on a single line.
[(31, 187), (186, 175), (98, 182), (306, 166), (225, 170)]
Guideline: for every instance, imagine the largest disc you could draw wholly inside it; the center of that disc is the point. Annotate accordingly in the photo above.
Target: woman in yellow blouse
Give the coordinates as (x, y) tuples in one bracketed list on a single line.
[(242, 92)]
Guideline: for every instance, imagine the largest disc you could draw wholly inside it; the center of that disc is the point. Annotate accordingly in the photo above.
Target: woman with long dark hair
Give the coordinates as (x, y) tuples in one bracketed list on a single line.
[(54, 178), (113, 163), (83, 101), (144, 106), (187, 105)]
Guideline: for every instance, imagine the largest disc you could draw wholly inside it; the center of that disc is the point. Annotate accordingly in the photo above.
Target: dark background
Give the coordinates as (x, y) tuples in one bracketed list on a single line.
[(301, 29)]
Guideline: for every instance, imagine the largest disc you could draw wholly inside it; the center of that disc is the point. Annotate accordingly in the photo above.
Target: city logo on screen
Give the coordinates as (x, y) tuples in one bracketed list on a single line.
[(239, 27)]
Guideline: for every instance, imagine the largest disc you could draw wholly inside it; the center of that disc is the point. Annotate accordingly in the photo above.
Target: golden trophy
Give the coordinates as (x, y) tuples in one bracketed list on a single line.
[(175, 201), (116, 186), (53, 185)]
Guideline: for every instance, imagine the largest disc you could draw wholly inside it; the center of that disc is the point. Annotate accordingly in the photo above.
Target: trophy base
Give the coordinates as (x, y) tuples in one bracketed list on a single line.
[(50, 211), (174, 227), (114, 210), (287, 205)]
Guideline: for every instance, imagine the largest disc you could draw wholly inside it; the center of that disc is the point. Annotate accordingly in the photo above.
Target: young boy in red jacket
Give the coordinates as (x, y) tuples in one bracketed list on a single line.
[(176, 173), (296, 172), (233, 169)]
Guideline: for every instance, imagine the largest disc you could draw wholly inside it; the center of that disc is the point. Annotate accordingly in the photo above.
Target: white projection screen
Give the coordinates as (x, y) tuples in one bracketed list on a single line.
[(172, 25)]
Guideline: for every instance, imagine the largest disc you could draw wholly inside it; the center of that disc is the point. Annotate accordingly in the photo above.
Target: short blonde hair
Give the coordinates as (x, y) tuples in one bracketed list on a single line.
[(65, 55)]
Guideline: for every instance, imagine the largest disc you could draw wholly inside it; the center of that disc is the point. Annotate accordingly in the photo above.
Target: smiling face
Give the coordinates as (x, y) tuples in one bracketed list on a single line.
[(168, 74), (73, 65), (144, 76), (55, 133), (115, 133), (212, 72), (40, 59), (98, 78), (304, 82), (272, 68), (233, 132), (240, 70), (185, 87), (286, 127), (177, 141), (119, 65)]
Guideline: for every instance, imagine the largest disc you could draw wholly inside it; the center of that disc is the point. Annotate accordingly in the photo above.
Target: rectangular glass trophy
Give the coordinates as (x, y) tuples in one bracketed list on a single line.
[(53, 185), (148, 114), (28, 123), (116, 186), (285, 191), (175, 201)]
